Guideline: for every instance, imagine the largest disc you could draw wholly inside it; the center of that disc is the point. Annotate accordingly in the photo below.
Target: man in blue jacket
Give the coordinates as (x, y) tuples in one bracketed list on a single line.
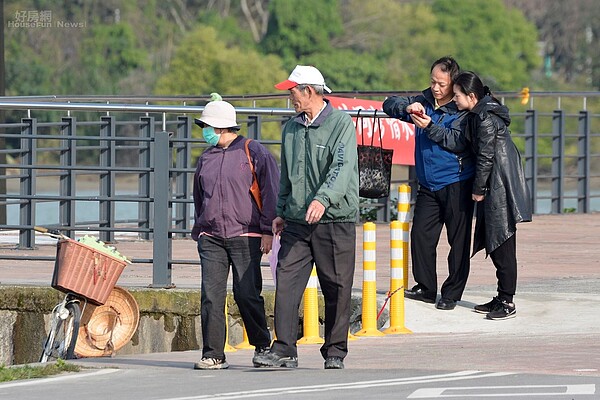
[(445, 169)]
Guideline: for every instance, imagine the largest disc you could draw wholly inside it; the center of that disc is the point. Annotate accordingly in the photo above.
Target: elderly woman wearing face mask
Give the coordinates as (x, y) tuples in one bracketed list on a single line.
[(232, 229)]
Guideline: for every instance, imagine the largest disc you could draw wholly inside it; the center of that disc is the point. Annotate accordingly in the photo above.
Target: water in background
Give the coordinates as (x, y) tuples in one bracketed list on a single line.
[(46, 212)]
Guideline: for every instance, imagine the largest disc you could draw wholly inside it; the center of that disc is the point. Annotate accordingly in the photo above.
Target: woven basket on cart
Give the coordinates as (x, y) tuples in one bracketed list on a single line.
[(107, 328)]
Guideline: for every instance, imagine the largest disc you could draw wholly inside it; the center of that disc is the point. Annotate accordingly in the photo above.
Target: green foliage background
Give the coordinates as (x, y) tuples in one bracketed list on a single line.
[(196, 47)]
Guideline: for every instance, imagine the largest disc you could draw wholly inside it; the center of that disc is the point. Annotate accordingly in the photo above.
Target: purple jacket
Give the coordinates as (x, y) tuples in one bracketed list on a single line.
[(224, 206)]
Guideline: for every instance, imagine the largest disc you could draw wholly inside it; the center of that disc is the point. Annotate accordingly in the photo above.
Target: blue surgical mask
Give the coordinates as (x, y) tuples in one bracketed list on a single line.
[(209, 134)]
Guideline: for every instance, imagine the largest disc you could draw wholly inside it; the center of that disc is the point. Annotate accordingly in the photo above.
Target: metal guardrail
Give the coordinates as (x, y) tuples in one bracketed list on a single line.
[(161, 170)]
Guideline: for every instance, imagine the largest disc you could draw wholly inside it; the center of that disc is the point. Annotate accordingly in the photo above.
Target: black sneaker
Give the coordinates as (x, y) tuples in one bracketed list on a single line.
[(487, 307), (258, 352), (334, 363), (504, 310), (272, 359)]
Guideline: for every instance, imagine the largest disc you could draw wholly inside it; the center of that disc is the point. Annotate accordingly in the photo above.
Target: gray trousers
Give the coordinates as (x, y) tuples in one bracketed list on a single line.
[(331, 247)]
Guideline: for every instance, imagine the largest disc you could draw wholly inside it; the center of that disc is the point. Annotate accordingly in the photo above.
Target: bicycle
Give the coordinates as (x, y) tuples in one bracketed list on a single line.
[(64, 328), (65, 318), (86, 275)]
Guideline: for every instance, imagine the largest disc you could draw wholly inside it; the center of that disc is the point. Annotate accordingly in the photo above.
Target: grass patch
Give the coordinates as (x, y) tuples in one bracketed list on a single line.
[(29, 372)]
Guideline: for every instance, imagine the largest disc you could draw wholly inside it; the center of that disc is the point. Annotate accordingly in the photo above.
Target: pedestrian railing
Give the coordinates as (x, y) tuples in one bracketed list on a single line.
[(78, 164)]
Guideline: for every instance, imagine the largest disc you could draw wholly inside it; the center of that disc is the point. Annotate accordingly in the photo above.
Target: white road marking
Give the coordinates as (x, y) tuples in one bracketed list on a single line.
[(497, 391), (78, 375), (344, 386)]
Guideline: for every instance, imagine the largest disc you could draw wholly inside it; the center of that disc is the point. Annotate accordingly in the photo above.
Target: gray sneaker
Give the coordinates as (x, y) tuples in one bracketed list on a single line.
[(259, 351), (211, 363), (271, 359), (334, 363), (503, 310)]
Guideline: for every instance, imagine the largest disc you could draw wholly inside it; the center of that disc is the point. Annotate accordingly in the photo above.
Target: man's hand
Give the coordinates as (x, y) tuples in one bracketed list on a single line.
[(314, 212), (266, 243), (417, 114), (277, 226), (478, 197)]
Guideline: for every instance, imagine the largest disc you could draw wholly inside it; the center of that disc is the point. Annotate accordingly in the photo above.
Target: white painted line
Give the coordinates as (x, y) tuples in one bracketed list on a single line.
[(498, 391), (344, 386), (58, 378)]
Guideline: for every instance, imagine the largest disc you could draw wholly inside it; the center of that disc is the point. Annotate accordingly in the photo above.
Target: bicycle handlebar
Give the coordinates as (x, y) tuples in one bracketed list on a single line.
[(55, 233)]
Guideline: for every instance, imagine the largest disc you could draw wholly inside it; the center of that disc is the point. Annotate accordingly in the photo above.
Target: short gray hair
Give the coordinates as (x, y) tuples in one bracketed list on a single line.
[(319, 89)]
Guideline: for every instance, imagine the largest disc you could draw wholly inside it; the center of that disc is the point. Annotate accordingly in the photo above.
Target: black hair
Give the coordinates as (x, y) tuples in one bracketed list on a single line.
[(447, 64), (469, 82)]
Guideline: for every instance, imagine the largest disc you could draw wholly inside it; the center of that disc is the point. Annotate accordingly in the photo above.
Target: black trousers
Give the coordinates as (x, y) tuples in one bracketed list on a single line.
[(505, 261), (244, 255), (331, 247), (451, 207)]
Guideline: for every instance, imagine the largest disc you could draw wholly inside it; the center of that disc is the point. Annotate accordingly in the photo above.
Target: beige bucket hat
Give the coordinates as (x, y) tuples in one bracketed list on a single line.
[(218, 114)]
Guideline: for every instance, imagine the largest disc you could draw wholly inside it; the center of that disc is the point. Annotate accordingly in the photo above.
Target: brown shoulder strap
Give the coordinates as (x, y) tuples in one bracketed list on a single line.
[(254, 189)]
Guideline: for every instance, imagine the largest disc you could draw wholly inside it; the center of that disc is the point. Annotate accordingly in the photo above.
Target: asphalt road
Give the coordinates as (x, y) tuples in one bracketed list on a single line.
[(551, 350)]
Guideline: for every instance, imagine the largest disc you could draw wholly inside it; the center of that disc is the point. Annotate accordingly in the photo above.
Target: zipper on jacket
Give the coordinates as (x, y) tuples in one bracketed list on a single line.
[(221, 191), (306, 152)]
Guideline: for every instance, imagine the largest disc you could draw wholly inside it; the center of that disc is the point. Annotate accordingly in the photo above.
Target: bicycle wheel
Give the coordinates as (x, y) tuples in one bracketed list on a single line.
[(62, 337)]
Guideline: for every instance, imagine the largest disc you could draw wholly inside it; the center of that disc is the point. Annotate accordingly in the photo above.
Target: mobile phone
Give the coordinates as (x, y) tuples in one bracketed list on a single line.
[(418, 113)]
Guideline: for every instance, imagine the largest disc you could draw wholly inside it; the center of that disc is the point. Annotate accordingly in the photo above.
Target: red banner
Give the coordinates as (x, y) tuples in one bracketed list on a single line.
[(395, 134)]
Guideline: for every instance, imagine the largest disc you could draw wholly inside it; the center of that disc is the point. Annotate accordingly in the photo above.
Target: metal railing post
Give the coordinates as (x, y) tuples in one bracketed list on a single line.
[(145, 182), (107, 178), (583, 162), (254, 122), (67, 188), (530, 156), (161, 271), (557, 175), (183, 156), (28, 183)]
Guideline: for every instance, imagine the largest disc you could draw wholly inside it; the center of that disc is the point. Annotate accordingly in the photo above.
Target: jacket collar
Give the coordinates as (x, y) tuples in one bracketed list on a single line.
[(449, 107), (301, 118)]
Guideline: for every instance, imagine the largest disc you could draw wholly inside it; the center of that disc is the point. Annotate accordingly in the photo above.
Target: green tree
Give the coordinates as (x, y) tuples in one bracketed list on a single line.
[(346, 70), (398, 41), (296, 30), (204, 63), (110, 51), (498, 43)]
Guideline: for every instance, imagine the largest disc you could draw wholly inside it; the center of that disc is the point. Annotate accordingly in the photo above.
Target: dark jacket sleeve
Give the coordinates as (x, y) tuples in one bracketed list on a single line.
[(453, 138), (267, 174), (198, 198), (485, 152), (395, 106)]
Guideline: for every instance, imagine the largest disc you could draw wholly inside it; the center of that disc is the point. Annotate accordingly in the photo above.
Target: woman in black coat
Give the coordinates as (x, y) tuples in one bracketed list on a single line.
[(499, 188)]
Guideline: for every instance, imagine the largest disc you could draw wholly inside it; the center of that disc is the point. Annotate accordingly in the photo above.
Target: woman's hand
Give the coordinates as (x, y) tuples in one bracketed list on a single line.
[(478, 197), (266, 243)]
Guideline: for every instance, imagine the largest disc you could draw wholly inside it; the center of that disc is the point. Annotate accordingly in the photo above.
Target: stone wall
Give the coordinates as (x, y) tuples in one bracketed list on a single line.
[(169, 321)]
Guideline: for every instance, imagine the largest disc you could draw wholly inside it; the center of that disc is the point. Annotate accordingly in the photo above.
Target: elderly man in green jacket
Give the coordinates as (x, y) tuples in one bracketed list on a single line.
[(317, 210)]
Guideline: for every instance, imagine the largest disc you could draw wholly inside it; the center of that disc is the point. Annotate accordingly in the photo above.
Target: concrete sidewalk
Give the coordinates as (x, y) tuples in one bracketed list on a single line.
[(556, 329)]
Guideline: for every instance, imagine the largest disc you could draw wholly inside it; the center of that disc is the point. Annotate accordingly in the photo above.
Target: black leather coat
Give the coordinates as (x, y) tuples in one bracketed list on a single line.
[(499, 176)]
